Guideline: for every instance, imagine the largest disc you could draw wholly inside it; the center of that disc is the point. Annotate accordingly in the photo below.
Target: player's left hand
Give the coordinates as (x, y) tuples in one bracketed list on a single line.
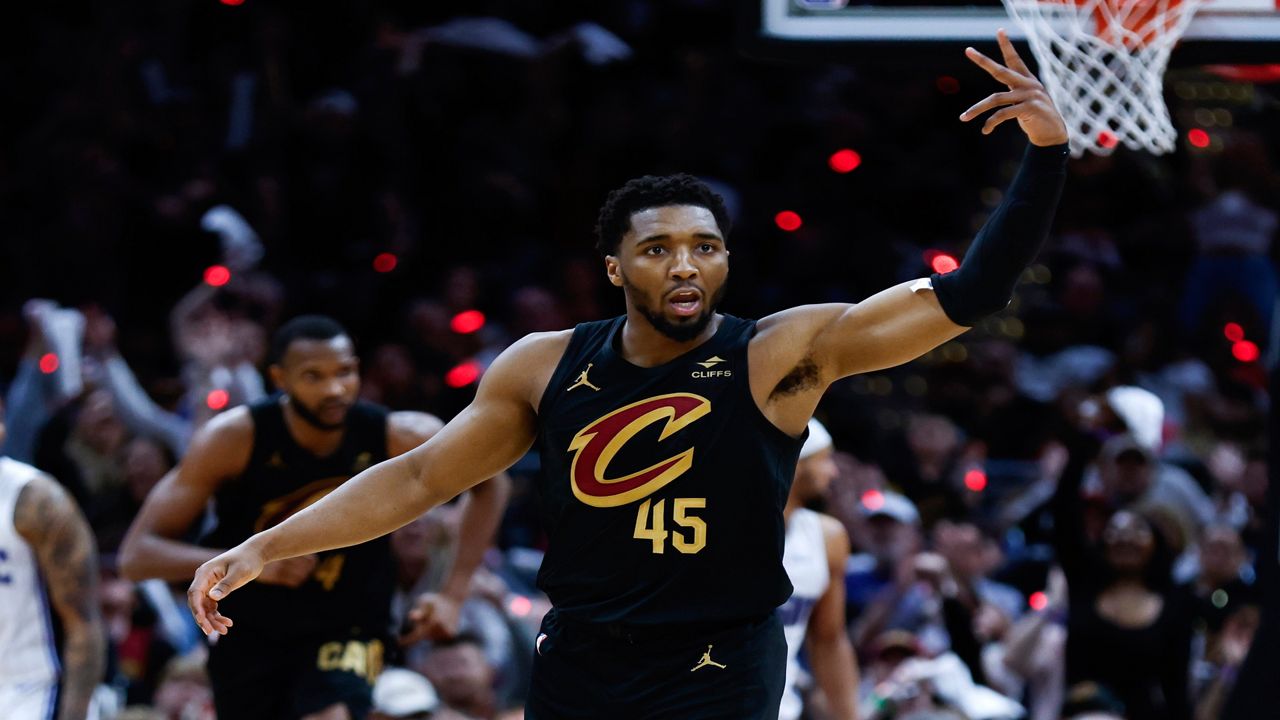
[(1027, 100), (435, 616)]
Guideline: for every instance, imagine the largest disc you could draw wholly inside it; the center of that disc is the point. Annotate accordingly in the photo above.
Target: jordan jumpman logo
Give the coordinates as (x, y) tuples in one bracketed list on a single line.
[(582, 380), (706, 660)]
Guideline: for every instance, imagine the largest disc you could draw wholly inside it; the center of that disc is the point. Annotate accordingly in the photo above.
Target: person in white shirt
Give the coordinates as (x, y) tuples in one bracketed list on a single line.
[(815, 554), (48, 561)]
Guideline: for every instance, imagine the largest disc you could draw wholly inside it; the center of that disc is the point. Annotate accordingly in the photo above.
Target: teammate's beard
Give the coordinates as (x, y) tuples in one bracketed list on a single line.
[(683, 332), (309, 417)]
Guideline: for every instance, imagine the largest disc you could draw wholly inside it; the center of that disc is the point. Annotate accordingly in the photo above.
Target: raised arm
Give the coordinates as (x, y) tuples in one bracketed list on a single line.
[(48, 519), (486, 438), (827, 342)]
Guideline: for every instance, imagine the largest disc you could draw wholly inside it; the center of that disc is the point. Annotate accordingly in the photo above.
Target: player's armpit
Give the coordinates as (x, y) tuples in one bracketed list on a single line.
[(48, 519)]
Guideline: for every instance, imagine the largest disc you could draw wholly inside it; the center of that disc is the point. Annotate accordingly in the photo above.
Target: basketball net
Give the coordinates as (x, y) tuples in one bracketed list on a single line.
[(1103, 63)]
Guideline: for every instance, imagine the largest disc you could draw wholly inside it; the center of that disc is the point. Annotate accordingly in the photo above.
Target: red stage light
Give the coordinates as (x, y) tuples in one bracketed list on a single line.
[(467, 322), (48, 363), (1245, 351), (941, 262), (1038, 601), (385, 262), (463, 375), (1108, 139), (844, 160), (233, 3), (521, 606), (1198, 138), (217, 399), (788, 221), (1233, 332), (217, 275), (975, 480)]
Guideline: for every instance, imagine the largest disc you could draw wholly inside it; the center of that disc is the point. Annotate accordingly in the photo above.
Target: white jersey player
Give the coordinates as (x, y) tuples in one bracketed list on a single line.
[(817, 548), (48, 563)]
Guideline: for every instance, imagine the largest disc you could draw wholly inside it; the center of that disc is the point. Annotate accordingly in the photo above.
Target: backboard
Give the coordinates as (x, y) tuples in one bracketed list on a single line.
[(1223, 31)]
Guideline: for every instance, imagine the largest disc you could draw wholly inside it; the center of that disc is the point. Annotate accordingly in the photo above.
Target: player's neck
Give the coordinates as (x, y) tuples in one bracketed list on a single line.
[(644, 345), (318, 441)]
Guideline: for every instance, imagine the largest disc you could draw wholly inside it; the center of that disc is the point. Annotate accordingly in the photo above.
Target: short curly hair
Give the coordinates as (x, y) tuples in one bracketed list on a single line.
[(652, 191)]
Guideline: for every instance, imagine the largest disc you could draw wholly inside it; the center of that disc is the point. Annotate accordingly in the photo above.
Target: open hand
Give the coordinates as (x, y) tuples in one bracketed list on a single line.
[(1026, 100), (215, 580)]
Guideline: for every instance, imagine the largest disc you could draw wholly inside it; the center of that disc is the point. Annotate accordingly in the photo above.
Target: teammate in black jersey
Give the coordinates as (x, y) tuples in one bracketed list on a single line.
[(315, 625), (668, 439)]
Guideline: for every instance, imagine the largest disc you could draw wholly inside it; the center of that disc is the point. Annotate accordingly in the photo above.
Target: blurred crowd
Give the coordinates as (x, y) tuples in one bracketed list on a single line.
[(1054, 516)]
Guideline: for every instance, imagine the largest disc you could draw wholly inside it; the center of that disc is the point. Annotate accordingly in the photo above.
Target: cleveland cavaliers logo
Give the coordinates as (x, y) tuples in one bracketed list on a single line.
[(595, 446)]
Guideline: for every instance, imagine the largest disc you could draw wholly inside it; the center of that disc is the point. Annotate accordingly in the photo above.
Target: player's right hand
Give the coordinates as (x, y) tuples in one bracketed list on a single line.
[(215, 580)]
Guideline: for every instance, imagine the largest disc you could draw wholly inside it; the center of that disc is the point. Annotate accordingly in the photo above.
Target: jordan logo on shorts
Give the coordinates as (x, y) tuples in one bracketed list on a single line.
[(706, 660), (583, 381)]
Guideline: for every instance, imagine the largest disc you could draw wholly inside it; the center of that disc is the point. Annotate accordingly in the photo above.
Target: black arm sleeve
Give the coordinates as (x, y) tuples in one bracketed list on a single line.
[(1008, 242)]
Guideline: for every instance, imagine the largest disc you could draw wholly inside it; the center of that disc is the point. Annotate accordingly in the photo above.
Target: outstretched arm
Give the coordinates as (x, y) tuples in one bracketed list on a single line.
[(483, 440), (48, 519)]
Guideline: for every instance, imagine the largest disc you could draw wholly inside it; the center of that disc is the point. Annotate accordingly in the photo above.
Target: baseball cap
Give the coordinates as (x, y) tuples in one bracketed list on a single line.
[(892, 505), (1142, 412), (817, 441), (401, 692)]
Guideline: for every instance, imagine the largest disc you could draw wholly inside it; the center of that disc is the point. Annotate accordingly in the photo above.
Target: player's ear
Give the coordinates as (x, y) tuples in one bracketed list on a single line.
[(613, 269)]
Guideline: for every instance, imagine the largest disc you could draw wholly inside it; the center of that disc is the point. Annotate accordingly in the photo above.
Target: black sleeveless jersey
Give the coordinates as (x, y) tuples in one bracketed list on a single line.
[(350, 587), (662, 488)]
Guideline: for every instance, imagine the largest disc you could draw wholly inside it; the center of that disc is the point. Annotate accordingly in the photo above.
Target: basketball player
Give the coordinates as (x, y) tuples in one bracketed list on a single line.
[(668, 439), (314, 624), (815, 554), (47, 557)]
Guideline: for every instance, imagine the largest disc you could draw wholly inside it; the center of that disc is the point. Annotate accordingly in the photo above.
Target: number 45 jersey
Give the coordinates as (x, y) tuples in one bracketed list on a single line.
[(662, 488)]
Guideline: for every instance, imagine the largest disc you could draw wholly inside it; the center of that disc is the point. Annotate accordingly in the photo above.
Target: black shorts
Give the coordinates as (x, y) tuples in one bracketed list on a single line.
[(733, 672), (281, 677)]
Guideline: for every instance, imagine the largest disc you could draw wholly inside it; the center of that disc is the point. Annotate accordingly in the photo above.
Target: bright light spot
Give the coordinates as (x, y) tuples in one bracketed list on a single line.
[(975, 480), (1038, 601), (1198, 138), (788, 220), (1108, 139), (467, 322), (844, 160), (1219, 598), (1233, 332), (943, 263), (385, 262), (1245, 351), (521, 606), (217, 275), (463, 375), (217, 399), (48, 363)]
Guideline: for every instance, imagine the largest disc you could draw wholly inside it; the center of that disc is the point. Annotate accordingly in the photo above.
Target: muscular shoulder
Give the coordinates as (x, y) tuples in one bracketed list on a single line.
[(524, 369), (407, 430), (43, 504), (224, 443)]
